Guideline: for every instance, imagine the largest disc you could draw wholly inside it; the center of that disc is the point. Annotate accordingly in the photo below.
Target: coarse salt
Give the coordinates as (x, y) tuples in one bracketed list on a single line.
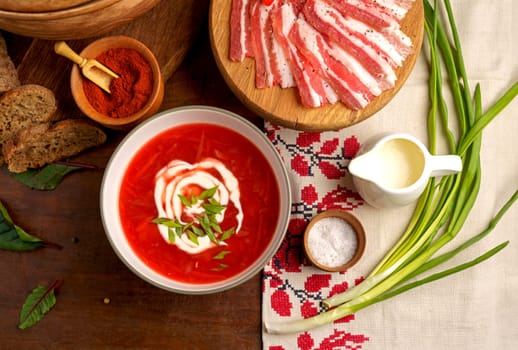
[(332, 242)]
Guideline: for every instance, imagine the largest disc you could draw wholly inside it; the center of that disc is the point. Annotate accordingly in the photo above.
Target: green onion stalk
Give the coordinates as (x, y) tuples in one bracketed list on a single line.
[(444, 206)]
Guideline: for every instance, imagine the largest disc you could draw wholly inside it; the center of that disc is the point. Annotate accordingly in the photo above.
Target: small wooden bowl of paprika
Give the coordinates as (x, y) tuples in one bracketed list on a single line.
[(136, 95)]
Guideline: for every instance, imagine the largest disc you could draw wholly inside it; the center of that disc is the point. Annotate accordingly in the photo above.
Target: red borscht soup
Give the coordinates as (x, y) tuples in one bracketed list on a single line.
[(236, 160)]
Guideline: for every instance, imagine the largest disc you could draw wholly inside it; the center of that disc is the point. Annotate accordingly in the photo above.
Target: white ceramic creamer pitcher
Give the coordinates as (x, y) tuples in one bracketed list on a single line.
[(393, 170)]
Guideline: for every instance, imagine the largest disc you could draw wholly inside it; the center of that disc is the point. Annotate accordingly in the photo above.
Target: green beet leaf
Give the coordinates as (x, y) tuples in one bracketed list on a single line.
[(13, 237), (37, 304), (46, 178)]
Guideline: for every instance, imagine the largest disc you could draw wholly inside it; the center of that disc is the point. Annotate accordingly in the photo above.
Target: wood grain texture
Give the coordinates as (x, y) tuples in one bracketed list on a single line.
[(91, 19), (282, 106), (38, 6), (137, 315)]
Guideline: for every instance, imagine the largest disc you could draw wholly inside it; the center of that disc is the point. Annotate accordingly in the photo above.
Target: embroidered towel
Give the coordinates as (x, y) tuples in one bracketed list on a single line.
[(475, 309)]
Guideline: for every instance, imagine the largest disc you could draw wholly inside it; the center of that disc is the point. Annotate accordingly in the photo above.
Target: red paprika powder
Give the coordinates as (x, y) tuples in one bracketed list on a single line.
[(129, 92)]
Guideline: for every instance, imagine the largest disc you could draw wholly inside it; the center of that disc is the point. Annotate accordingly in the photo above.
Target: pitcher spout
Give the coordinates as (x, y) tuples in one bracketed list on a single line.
[(359, 167)]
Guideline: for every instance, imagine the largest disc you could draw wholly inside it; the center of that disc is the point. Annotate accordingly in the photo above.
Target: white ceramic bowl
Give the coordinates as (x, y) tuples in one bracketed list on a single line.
[(116, 168)]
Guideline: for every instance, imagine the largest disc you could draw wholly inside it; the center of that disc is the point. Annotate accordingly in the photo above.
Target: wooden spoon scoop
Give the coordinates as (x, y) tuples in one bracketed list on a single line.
[(91, 68)]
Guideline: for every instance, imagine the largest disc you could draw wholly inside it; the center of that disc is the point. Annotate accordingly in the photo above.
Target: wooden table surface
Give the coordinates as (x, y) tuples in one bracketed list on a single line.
[(138, 315)]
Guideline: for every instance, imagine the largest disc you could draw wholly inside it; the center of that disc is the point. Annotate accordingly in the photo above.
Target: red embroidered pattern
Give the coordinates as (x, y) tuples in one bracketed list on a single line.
[(318, 162)]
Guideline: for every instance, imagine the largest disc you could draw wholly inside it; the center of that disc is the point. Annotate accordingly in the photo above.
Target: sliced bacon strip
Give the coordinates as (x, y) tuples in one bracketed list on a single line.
[(259, 15), (328, 20), (313, 91), (394, 8), (367, 11), (297, 5), (272, 67), (393, 48), (329, 49), (281, 70), (341, 55), (240, 31), (351, 91), (370, 23)]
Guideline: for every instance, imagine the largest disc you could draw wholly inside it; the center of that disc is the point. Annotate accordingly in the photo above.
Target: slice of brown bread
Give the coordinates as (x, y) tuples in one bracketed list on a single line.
[(43, 144), (22, 107)]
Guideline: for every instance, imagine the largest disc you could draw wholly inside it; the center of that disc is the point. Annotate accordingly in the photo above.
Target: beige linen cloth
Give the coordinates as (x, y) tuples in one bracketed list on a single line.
[(477, 308)]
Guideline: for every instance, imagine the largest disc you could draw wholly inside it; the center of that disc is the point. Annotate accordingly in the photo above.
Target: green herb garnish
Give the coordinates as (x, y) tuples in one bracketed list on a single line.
[(205, 224), (227, 234), (221, 255), (185, 200), (221, 267), (209, 193), (193, 237)]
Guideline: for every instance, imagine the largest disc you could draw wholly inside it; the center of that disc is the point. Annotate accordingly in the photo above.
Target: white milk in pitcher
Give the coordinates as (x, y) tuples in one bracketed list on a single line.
[(398, 163)]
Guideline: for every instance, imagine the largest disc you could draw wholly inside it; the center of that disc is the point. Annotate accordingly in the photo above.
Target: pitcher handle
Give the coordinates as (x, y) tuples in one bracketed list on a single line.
[(445, 164)]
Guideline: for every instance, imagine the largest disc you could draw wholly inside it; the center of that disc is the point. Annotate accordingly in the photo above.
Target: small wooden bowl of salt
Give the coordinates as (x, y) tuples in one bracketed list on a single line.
[(334, 240)]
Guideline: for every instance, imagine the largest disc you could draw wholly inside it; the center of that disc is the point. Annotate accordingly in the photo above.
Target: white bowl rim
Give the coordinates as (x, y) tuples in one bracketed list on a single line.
[(154, 278)]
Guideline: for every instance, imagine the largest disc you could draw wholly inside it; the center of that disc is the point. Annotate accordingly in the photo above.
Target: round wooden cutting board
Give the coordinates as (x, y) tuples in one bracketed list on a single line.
[(282, 106)]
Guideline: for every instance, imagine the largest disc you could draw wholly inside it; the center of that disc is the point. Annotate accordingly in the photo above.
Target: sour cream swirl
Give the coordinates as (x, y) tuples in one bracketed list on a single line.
[(176, 178)]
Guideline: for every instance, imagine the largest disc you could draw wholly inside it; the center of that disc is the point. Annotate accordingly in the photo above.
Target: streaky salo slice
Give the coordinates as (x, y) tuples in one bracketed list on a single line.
[(330, 50)]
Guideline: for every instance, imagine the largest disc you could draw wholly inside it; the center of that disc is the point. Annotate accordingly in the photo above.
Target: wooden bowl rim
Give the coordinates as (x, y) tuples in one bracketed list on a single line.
[(27, 5), (355, 225), (103, 44), (68, 12)]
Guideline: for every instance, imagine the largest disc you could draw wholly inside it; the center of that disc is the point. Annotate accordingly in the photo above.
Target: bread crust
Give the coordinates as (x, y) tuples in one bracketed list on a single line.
[(23, 107), (30, 135), (46, 143)]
